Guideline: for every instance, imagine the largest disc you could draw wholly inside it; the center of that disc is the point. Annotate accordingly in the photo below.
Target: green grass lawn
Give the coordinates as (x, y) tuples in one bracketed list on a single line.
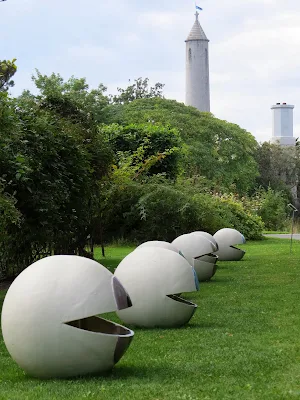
[(276, 232), (242, 343)]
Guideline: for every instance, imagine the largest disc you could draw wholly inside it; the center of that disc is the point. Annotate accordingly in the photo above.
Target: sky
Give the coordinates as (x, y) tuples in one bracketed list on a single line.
[(254, 49)]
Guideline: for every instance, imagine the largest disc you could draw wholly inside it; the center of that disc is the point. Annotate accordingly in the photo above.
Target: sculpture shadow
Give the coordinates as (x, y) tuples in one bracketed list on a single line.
[(217, 280), (203, 325), (122, 372), (196, 326)]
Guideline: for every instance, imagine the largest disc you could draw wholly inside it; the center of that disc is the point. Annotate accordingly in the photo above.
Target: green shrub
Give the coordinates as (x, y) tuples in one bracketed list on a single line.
[(273, 209), (162, 211), (117, 217), (250, 225), (146, 149), (9, 216), (165, 213), (51, 167)]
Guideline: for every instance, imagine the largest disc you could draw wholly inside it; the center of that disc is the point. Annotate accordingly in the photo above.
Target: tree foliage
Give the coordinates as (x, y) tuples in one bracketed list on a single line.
[(273, 208), (279, 166), (218, 150), (52, 165), (77, 166), (7, 71), (144, 149), (72, 98), (162, 211), (140, 89)]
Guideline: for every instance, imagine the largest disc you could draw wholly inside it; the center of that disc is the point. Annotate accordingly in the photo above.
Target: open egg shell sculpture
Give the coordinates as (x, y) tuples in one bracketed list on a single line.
[(158, 243), (152, 276), (207, 236), (198, 251), (227, 238), (49, 320), (211, 259)]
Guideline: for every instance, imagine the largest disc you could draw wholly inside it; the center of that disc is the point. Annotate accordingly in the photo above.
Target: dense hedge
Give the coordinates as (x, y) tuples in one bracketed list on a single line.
[(49, 173), (144, 212)]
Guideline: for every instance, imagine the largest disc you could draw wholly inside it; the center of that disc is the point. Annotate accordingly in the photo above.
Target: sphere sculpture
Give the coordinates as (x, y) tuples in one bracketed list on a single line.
[(207, 236), (226, 239), (158, 243), (198, 251), (152, 276), (212, 258), (49, 320)]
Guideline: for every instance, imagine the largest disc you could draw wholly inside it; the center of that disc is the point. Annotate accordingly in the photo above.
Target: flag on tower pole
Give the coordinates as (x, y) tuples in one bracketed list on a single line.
[(198, 8)]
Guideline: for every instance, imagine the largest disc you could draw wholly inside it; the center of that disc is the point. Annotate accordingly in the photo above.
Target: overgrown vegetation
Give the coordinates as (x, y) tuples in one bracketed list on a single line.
[(218, 150), (51, 163), (79, 167)]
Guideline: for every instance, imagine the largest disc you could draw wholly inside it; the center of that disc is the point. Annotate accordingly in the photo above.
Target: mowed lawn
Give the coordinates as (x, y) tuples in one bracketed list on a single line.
[(242, 343)]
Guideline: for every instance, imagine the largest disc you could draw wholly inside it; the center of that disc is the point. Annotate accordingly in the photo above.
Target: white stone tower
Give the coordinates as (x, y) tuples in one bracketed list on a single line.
[(197, 69), (283, 125)]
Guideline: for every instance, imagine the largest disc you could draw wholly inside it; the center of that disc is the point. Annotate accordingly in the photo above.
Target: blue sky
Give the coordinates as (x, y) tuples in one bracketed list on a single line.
[(254, 49)]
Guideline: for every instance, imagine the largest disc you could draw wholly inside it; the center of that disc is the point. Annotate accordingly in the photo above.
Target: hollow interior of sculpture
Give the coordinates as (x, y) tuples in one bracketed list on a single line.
[(121, 296), (181, 300), (99, 325)]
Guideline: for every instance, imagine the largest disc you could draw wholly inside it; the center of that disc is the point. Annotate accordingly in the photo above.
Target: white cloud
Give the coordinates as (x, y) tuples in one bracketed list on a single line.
[(130, 39), (261, 64), (87, 53), (162, 20)]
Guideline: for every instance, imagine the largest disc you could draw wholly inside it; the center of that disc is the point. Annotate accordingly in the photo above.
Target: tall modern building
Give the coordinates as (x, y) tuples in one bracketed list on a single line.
[(283, 124), (197, 68)]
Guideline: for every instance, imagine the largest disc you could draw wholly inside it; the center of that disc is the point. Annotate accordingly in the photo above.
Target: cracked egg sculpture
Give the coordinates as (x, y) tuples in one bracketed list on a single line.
[(227, 238), (198, 250), (152, 276), (49, 318)]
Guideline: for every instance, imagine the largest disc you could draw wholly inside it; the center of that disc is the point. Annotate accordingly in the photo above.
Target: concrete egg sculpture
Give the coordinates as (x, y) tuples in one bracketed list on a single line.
[(208, 258), (207, 236), (152, 276), (49, 320), (198, 251), (227, 238), (158, 243)]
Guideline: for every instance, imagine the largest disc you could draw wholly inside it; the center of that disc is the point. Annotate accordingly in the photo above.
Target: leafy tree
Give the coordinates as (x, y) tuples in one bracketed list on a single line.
[(279, 167), (144, 149), (273, 208), (7, 71), (220, 151), (52, 165), (138, 90), (141, 152), (71, 99)]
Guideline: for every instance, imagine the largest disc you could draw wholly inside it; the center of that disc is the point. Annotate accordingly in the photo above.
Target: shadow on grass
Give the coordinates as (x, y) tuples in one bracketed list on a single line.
[(117, 373), (200, 325), (203, 325), (140, 371), (215, 280)]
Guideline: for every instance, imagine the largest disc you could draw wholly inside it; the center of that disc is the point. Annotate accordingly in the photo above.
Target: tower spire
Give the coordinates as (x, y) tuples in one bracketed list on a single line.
[(197, 68), (197, 33)]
